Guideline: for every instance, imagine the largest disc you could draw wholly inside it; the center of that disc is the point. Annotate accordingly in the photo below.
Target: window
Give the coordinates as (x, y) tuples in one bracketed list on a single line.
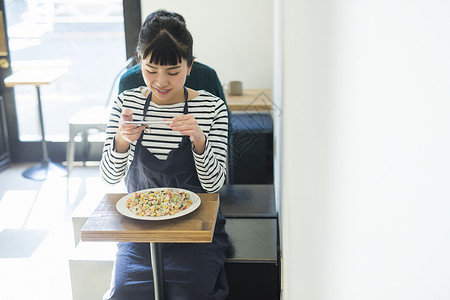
[(89, 35)]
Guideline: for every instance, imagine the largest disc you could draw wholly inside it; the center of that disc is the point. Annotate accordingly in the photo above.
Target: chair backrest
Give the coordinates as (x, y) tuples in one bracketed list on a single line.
[(202, 77), (128, 64)]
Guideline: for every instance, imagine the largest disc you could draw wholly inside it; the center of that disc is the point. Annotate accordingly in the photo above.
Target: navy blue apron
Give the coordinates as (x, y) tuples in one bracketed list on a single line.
[(191, 271)]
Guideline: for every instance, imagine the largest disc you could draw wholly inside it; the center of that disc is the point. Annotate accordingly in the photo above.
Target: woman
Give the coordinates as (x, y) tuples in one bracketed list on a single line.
[(189, 153)]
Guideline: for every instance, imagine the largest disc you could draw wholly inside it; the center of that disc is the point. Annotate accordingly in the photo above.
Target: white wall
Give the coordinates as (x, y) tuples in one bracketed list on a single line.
[(277, 96), (234, 37), (366, 141), (305, 91), (365, 162)]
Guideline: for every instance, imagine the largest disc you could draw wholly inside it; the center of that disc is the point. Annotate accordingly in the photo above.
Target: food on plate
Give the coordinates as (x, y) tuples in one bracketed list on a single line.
[(158, 203)]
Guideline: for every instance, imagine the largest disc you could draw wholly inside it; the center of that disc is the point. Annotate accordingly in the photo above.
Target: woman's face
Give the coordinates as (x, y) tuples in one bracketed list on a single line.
[(166, 82)]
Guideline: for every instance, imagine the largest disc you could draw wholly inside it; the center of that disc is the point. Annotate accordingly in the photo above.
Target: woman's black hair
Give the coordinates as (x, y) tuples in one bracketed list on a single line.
[(166, 39), (164, 13)]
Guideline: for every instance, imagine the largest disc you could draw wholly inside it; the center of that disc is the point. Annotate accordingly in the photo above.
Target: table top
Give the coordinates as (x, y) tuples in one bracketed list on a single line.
[(34, 76), (41, 63), (251, 100), (107, 224)]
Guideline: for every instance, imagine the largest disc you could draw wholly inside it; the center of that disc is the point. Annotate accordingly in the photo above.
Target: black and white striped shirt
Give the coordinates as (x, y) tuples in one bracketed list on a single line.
[(211, 115)]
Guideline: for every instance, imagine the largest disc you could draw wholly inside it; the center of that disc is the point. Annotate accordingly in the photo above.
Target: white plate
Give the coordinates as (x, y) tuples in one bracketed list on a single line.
[(122, 208)]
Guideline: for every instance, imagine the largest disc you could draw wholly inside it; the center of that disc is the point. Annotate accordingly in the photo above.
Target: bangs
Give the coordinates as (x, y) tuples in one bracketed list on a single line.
[(164, 51)]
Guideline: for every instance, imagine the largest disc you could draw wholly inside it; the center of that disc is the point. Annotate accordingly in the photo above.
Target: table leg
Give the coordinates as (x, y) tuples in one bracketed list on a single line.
[(41, 123), (158, 270), (46, 167)]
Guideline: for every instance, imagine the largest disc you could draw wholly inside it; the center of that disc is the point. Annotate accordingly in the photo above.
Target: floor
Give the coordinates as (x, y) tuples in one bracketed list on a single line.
[(36, 235)]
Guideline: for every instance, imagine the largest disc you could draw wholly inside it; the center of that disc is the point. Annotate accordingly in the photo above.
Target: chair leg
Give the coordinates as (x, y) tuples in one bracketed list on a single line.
[(85, 144), (70, 153)]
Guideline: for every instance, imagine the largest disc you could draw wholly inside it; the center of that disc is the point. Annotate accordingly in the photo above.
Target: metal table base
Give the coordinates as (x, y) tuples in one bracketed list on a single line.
[(46, 168)]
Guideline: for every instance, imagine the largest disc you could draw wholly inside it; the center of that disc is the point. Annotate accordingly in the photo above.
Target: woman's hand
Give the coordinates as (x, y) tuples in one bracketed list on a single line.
[(188, 125), (127, 133)]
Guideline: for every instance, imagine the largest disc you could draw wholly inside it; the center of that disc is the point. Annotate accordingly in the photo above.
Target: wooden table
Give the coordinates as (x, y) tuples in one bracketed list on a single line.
[(38, 77), (259, 100), (107, 224)]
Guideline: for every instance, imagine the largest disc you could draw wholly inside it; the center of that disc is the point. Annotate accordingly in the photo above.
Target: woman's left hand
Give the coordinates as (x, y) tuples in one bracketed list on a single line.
[(188, 125)]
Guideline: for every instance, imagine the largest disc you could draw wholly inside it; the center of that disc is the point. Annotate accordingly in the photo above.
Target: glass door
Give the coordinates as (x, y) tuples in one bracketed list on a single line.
[(5, 70), (4, 144), (85, 37)]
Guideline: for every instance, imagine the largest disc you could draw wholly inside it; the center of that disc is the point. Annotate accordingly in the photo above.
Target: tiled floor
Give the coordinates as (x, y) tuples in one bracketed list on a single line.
[(36, 235)]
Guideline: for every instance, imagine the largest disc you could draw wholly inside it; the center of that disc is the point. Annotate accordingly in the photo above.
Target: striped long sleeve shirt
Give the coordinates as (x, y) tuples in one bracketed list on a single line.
[(211, 115)]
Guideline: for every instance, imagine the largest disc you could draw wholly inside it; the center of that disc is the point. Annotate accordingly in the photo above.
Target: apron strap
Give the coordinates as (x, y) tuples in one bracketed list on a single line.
[(185, 109)]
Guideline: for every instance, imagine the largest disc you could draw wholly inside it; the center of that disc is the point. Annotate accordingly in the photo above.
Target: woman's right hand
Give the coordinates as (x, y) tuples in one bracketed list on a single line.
[(127, 133)]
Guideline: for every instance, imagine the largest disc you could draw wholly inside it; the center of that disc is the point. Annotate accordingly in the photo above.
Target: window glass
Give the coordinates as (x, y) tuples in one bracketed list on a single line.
[(88, 35)]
